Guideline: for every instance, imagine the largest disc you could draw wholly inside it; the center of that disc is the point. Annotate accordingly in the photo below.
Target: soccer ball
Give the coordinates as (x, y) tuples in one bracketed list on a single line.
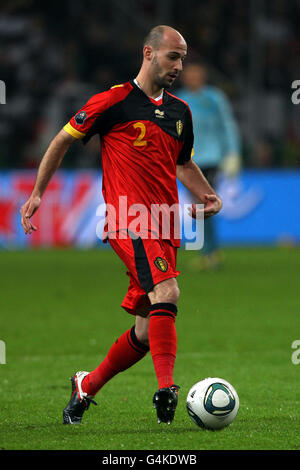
[(212, 403)]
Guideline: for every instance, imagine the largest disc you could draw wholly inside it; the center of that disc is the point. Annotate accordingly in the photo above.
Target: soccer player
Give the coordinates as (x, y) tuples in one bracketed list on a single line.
[(216, 143), (146, 140)]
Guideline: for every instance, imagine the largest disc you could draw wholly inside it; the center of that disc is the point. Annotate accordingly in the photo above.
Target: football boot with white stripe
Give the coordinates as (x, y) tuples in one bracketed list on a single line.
[(79, 401)]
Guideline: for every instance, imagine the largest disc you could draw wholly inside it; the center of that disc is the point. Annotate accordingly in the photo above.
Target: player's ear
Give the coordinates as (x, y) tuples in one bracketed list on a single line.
[(148, 52)]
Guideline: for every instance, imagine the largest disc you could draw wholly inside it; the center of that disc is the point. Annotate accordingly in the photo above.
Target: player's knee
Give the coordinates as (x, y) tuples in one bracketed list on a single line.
[(141, 329), (142, 335), (143, 338), (166, 291), (173, 294)]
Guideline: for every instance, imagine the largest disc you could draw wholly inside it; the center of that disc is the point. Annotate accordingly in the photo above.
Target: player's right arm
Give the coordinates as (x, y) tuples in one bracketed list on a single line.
[(82, 126), (49, 164)]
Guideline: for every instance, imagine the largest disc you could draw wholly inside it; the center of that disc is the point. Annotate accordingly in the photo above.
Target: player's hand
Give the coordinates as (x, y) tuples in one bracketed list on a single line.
[(212, 206), (27, 211)]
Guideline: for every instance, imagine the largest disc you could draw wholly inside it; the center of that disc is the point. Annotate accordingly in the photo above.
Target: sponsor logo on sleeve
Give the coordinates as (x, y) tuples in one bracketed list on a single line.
[(80, 117)]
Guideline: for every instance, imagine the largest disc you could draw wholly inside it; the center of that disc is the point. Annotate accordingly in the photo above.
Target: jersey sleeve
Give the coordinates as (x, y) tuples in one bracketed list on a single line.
[(81, 123), (187, 151)]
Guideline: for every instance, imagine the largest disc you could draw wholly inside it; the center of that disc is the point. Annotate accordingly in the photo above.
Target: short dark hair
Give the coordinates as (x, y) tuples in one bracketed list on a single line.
[(154, 37)]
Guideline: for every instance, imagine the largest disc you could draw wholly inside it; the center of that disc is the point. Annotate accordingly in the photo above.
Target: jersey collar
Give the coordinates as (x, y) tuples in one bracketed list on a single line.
[(157, 101)]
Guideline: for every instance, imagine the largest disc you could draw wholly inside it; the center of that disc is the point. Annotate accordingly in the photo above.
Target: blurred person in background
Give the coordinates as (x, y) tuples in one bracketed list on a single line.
[(216, 144)]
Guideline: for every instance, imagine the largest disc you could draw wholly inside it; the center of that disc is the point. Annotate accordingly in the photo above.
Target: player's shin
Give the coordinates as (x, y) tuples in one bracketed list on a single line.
[(163, 341)]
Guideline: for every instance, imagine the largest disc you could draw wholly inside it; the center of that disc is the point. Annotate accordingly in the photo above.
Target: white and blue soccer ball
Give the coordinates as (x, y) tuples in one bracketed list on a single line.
[(212, 403)]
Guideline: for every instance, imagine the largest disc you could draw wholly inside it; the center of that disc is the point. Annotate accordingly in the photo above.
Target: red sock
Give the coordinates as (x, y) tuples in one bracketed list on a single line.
[(126, 351), (163, 341)]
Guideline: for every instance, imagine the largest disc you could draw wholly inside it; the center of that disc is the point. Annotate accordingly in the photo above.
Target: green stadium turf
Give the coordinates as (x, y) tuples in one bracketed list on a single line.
[(60, 312)]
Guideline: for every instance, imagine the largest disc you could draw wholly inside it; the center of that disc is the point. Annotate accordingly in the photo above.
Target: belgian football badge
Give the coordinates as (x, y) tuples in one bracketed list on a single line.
[(179, 127), (161, 264)]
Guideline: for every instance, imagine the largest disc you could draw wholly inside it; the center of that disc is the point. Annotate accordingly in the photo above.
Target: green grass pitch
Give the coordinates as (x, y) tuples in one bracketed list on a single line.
[(60, 312)]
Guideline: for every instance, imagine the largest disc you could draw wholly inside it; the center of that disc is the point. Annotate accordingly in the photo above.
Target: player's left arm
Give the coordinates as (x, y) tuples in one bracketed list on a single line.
[(190, 175)]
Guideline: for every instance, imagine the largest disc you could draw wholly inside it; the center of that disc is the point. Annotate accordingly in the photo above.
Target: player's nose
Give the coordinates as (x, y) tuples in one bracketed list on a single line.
[(178, 66)]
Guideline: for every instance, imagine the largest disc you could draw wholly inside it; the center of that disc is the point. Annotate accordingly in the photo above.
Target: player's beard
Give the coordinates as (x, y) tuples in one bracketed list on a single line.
[(159, 77)]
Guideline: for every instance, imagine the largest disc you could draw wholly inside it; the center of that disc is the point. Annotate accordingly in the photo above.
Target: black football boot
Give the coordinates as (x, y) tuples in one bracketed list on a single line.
[(165, 402), (79, 401)]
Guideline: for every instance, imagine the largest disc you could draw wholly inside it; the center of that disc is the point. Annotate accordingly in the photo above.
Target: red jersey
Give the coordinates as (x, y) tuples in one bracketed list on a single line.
[(142, 141)]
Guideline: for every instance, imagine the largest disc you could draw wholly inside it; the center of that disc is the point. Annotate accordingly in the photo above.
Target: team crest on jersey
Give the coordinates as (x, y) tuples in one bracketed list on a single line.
[(179, 127), (80, 117), (159, 114), (161, 264)]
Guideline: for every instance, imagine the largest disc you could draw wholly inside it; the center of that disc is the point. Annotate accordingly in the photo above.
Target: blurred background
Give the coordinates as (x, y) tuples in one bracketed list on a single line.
[(55, 55)]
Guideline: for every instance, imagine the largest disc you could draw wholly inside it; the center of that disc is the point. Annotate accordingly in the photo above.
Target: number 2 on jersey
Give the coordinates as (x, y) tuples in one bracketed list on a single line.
[(139, 142)]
